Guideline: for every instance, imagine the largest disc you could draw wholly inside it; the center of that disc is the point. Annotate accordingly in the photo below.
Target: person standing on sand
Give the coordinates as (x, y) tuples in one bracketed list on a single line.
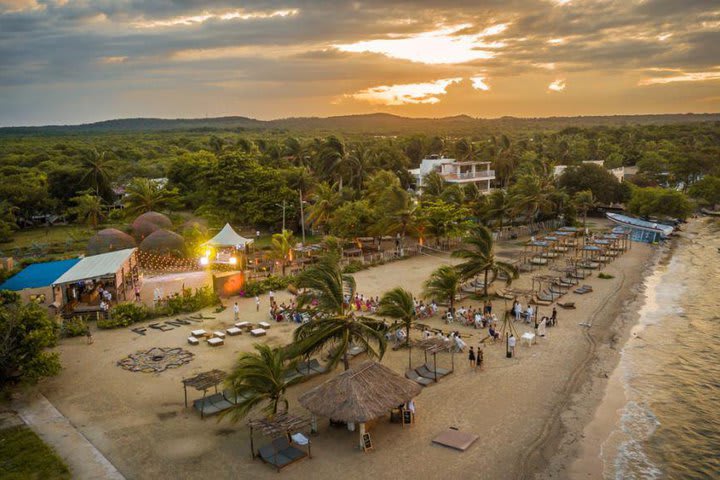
[(471, 358), (137, 293), (236, 312), (89, 336), (511, 345), (480, 357), (257, 303), (271, 294), (553, 317)]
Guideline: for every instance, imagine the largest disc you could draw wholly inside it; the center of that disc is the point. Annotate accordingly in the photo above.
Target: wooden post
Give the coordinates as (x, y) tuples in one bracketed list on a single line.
[(361, 431), (252, 444), (185, 389)]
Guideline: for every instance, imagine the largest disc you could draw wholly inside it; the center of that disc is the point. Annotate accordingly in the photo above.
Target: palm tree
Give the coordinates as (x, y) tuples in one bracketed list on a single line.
[(88, 208), (531, 196), (433, 184), (260, 378), (325, 200), (335, 325), (499, 206), (479, 258), (282, 248), (443, 284), (145, 195), (399, 304), (584, 201), (97, 173)]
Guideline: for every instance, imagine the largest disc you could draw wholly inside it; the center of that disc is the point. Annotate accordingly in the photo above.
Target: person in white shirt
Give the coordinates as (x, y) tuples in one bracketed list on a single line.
[(478, 319), (271, 294), (511, 345), (257, 303), (236, 311), (529, 314), (518, 311)]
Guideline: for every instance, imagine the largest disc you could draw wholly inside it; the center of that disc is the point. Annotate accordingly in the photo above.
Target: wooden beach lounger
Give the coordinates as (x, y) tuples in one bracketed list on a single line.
[(280, 453), (413, 375), (440, 371), (583, 290), (212, 404), (455, 439)]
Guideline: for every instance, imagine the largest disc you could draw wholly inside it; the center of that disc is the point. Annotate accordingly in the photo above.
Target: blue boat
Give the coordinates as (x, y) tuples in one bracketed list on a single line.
[(641, 230)]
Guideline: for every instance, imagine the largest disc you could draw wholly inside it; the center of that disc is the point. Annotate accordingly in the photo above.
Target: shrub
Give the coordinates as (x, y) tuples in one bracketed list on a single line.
[(605, 276), (73, 327), (354, 266), (272, 282)]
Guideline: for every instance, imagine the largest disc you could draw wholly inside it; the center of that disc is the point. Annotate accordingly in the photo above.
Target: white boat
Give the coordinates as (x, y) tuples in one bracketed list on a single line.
[(641, 230)]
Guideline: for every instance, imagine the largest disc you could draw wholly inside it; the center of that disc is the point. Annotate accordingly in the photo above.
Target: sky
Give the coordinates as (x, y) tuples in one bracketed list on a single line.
[(67, 62)]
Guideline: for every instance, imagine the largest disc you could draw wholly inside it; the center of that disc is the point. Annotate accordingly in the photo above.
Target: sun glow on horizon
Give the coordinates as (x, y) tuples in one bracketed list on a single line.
[(557, 86), (443, 46)]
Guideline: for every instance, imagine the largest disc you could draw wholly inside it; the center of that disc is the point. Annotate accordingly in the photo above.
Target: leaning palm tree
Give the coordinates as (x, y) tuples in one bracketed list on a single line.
[(325, 201), (532, 195), (282, 248), (259, 380), (584, 201), (443, 284), (399, 305), (145, 195), (335, 324), (480, 258)]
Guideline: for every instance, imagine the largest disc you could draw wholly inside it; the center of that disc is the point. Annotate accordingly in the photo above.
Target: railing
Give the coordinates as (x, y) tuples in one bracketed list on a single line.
[(486, 174)]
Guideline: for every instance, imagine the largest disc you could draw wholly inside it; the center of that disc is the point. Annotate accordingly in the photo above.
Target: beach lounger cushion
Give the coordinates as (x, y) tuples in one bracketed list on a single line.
[(413, 375), (440, 371), (456, 439)]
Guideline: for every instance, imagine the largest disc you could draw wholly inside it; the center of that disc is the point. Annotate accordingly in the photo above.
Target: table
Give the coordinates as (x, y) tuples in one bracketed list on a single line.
[(264, 325), (257, 332), (528, 338), (198, 333), (232, 331), (215, 342)]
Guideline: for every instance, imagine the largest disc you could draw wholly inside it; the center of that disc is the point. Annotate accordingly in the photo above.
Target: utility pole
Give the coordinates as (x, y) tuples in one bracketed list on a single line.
[(302, 218), (283, 216)]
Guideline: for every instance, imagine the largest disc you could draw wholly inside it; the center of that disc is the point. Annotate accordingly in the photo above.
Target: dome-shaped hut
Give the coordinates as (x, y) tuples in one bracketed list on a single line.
[(164, 242), (147, 223), (109, 240)]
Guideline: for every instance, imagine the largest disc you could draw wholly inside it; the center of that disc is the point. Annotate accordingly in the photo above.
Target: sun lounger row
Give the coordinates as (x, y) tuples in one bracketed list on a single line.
[(212, 404), (306, 369)]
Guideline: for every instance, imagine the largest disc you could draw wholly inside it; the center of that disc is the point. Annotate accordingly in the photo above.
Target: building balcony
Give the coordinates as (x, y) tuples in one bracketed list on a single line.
[(469, 176)]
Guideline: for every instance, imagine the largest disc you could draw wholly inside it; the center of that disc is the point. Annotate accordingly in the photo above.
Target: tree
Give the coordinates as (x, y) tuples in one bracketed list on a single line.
[(443, 284), (88, 208), (282, 248), (26, 332), (584, 201), (433, 184), (399, 305), (325, 200), (352, 219), (146, 195), (480, 258), (531, 196), (706, 190), (260, 379), (336, 325), (604, 186), (7, 221), (445, 220), (661, 202), (499, 206), (98, 173)]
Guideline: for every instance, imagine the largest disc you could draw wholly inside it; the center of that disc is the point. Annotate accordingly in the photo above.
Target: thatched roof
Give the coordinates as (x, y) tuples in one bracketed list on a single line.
[(360, 394), (163, 242), (158, 219), (109, 240)]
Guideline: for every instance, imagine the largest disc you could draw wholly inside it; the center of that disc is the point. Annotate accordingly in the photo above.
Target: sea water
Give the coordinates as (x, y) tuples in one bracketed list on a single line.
[(669, 425)]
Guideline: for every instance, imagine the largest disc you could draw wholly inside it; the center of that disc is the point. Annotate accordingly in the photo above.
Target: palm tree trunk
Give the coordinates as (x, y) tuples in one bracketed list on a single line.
[(346, 360), (485, 287)]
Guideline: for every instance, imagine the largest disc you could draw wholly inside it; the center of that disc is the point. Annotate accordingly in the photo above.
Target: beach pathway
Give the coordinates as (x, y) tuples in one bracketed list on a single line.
[(84, 460)]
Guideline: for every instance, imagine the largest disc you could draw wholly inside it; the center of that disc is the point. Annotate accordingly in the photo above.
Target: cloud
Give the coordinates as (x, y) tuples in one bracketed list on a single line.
[(274, 58), (404, 94), (557, 86)]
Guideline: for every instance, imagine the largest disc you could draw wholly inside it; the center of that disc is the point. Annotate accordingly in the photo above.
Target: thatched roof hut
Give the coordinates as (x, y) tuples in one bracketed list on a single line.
[(164, 242), (149, 222), (363, 393), (109, 240)]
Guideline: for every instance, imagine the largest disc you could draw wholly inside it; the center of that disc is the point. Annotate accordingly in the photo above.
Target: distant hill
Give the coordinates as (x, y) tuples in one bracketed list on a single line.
[(374, 123)]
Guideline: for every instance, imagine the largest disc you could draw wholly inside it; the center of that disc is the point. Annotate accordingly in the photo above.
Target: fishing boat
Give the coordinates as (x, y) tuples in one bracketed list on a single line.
[(641, 230)]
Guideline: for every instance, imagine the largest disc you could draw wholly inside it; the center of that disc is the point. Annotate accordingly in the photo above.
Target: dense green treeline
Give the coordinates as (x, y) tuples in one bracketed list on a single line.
[(352, 185)]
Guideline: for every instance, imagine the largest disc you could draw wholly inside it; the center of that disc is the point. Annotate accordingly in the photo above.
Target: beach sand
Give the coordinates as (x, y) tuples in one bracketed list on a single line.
[(518, 407)]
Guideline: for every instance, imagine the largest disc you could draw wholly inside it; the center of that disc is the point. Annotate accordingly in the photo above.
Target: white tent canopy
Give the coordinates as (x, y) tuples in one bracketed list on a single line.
[(227, 237), (96, 266)]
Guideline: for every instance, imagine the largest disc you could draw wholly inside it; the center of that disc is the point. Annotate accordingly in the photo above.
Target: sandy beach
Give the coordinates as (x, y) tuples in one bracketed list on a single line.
[(519, 407)]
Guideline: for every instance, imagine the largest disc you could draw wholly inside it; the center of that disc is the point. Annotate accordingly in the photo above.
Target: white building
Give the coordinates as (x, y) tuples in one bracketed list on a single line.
[(453, 171)]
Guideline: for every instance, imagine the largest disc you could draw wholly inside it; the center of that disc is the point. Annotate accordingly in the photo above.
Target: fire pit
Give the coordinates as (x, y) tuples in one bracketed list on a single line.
[(156, 360)]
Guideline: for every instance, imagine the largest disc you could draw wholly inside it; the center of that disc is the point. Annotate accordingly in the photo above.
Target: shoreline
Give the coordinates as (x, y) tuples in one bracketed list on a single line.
[(566, 451)]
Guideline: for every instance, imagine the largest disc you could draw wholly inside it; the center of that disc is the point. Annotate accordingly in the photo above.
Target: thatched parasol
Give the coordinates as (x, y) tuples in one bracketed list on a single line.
[(360, 394)]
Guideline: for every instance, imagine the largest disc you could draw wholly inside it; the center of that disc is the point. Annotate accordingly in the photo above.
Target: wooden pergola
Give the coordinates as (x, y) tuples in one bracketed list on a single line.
[(279, 425), (203, 382), (433, 346)]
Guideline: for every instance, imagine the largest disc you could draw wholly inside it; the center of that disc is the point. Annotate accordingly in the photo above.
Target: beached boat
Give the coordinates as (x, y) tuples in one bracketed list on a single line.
[(712, 213), (641, 230)]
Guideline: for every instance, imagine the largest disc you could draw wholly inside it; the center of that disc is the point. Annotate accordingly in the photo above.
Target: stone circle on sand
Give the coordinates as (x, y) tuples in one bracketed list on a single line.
[(156, 360)]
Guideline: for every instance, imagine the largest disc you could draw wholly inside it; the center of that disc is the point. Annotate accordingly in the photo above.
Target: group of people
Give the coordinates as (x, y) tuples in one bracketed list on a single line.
[(361, 304), (472, 317), (453, 338)]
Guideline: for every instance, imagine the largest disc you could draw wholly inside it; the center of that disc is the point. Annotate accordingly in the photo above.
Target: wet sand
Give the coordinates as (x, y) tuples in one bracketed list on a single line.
[(518, 407)]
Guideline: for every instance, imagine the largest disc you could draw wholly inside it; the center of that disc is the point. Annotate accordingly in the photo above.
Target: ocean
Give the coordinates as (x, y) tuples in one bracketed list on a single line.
[(669, 424)]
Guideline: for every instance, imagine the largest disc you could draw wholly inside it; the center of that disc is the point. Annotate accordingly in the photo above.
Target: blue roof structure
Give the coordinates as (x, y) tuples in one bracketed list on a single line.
[(38, 275)]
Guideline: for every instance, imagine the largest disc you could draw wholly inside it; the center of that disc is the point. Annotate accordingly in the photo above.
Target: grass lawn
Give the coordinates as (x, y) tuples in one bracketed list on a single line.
[(23, 456), (59, 234)]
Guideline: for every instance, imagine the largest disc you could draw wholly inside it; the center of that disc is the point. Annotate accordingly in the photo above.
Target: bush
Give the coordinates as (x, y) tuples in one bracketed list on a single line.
[(354, 266), (273, 282), (125, 314), (605, 276), (73, 327)]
